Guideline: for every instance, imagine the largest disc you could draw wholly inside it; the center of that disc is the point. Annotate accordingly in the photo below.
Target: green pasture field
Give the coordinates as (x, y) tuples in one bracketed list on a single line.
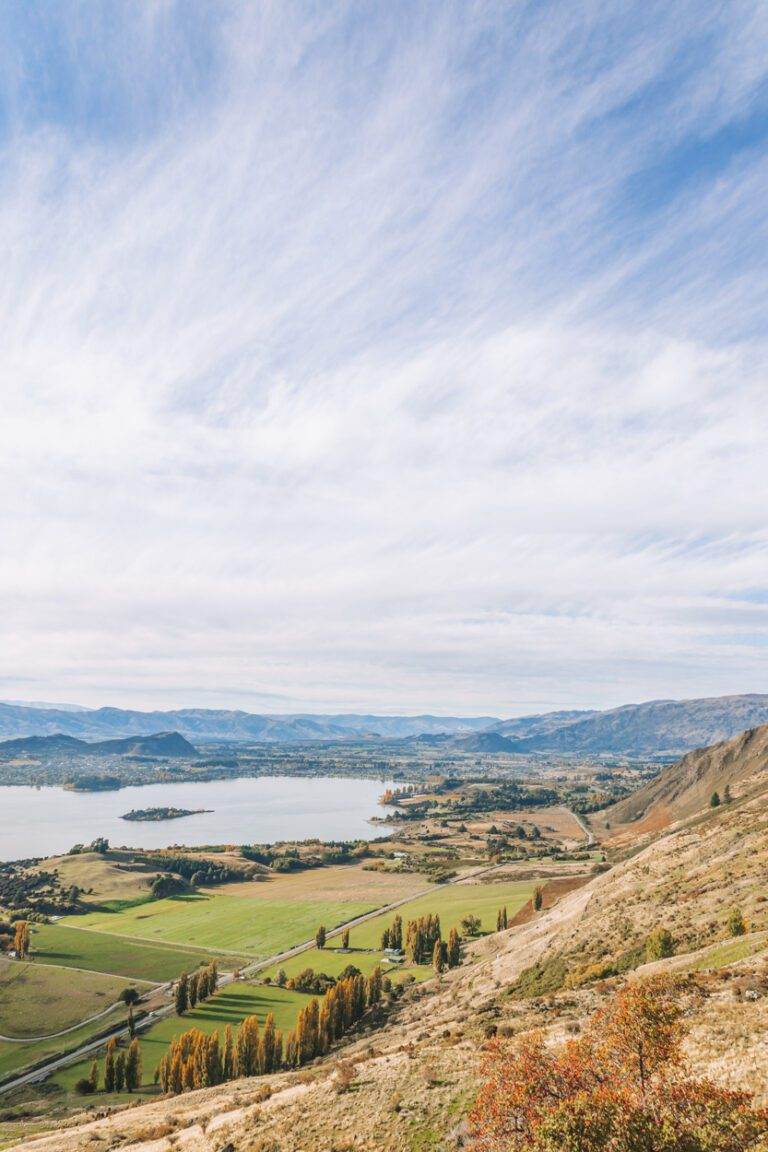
[(332, 961), (257, 928), (731, 951), (229, 1006), (17, 1057), (451, 902), (37, 1000), (101, 952)]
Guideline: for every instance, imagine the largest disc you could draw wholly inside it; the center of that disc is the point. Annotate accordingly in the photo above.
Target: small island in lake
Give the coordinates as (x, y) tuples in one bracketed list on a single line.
[(162, 813)]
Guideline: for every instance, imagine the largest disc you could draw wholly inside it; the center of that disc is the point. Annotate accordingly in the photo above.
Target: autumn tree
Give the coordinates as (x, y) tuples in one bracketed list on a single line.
[(454, 948), (659, 945), (438, 962), (471, 925), (228, 1055), (133, 1067), (502, 921), (109, 1067), (621, 1087), (21, 939), (345, 939), (737, 925)]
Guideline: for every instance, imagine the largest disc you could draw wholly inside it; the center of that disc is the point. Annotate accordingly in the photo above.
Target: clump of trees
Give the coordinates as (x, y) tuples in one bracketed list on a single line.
[(622, 1085), (502, 920), (192, 990), (737, 925), (392, 937), (194, 1060), (122, 1071)]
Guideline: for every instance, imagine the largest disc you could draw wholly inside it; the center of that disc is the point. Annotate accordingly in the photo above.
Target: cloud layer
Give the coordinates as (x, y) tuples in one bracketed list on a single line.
[(381, 357)]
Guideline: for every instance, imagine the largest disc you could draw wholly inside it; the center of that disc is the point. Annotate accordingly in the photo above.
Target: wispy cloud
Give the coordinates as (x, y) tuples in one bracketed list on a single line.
[(384, 356)]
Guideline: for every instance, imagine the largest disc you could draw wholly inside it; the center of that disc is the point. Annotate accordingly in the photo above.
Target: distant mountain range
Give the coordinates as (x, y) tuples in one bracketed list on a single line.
[(657, 728), (203, 724), (165, 744)]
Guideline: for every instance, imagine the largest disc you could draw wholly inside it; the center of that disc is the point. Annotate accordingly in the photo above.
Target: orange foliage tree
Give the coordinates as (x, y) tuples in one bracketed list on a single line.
[(621, 1087)]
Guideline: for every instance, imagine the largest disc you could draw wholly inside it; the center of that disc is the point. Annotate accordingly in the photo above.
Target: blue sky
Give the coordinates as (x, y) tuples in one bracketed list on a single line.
[(394, 357)]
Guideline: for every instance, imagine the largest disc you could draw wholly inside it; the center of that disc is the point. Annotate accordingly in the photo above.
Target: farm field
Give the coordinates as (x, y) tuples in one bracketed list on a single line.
[(225, 923), (229, 1006), (332, 961), (337, 883), (37, 1000), (451, 903), (100, 952), (15, 1057)]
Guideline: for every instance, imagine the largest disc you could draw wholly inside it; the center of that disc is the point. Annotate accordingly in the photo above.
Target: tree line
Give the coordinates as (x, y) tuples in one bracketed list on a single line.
[(192, 990)]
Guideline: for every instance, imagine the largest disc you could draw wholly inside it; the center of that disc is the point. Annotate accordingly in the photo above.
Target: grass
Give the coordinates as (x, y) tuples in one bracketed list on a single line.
[(229, 1006), (101, 878), (332, 961), (451, 903), (730, 952), (225, 923), (15, 1057), (37, 1000), (100, 952)]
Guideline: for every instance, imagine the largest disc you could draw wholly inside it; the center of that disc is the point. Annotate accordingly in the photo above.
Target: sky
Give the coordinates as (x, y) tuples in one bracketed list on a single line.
[(392, 357)]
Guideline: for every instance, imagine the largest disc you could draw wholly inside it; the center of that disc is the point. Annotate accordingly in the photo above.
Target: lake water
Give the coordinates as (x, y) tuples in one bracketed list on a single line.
[(48, 821)]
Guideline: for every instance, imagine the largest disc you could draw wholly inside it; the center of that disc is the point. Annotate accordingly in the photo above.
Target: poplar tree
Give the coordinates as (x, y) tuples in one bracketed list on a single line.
[(93, 1076), (109, 1067), (120, 1072), (182, 994), (192, 990), (345, 938), (228, 1058), (320, 937), (437, 957), (454, 948), (133, 1067)]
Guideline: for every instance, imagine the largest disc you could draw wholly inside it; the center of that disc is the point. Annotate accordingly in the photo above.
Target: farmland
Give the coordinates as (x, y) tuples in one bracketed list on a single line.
[(72, 947), (38, 1000), (224, 923)]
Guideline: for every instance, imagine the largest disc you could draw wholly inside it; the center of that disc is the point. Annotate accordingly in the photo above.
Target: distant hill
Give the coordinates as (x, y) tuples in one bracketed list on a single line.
[(486, 742), (660, 727), (165, 744), (221, 724), (686, 788)]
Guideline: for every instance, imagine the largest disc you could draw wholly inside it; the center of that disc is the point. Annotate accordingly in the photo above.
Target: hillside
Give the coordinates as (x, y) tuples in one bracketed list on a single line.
[(220, 724), (164, 744), (685, 788), (413, 1079), (486, 742), (657, 728)]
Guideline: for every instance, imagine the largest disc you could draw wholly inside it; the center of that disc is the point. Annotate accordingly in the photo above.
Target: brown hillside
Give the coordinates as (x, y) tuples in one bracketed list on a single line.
[(685, 788)]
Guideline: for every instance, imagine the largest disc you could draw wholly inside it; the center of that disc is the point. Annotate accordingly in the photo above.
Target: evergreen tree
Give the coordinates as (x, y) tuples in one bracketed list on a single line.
[(385, 940), (193, 989), (714, 800), (538, 898), (182, 994), (320, 937)]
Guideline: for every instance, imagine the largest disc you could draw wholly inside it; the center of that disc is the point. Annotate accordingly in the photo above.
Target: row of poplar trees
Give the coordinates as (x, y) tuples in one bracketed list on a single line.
[(122, 1070), (192, 990), (194, 1060)]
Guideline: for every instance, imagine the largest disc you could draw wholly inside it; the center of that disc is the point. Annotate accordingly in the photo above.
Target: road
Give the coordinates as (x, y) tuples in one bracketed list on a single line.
[(57, 1062), (585, 828)]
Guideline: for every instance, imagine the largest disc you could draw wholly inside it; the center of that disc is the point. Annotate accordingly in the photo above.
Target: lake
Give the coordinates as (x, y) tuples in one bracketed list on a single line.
[(48, 821)]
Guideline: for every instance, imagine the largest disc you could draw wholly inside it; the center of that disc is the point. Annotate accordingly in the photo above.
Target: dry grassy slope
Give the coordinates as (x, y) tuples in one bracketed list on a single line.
[(685, 788)]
